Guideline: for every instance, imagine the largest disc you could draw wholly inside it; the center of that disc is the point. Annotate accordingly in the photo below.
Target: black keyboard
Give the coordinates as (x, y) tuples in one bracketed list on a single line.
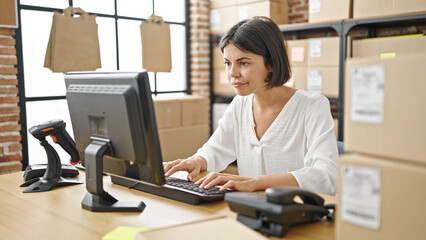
[(175, 188)]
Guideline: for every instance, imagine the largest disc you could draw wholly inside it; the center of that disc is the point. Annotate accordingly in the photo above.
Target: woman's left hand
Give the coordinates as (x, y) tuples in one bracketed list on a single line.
[(228, 181)]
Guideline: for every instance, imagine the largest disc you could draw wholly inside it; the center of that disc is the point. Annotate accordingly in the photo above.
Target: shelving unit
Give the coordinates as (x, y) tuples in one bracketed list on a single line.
[(342, 29)]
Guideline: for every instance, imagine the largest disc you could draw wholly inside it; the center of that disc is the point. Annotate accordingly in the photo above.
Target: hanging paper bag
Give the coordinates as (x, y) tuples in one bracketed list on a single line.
[(156, 50), (73, 43)]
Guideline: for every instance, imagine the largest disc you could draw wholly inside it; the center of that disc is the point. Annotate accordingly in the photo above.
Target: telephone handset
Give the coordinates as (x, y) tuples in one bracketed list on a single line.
[(275, 211)]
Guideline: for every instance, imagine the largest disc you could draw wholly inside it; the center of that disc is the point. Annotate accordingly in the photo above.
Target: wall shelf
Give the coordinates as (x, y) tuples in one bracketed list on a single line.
[(342, 29)]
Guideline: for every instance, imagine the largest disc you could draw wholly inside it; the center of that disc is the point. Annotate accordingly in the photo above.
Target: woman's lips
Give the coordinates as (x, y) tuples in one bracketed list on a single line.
[(238, 84)]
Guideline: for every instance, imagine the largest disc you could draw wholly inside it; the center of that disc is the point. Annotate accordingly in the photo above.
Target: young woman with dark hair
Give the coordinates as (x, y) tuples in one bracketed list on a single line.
[(279, 136)]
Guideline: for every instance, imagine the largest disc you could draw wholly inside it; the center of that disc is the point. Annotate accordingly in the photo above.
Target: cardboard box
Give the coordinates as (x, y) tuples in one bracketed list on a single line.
[(195, 110), (300, 77), (275, 10), (182, 142), (324, 51), (215, 4), (298, 52), (380, 199), (221, 84), (324, 80), (384, 107), (218, 62), (222, 19), (167, 113), (377, 8), (388, 46), (329, 10), (8, 14)]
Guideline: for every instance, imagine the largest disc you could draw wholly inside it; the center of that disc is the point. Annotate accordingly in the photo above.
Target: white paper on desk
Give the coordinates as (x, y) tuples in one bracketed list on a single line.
[(361, 198), (367, 93)]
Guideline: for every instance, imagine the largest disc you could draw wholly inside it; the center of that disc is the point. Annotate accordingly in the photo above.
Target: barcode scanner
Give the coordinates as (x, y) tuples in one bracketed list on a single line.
[(52, 177)]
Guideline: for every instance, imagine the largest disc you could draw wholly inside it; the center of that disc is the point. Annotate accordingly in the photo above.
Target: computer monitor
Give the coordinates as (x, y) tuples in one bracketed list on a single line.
[(115, 131)]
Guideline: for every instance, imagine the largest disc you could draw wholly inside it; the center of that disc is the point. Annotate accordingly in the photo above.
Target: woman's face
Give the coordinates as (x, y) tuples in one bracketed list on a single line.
[(246, 71)]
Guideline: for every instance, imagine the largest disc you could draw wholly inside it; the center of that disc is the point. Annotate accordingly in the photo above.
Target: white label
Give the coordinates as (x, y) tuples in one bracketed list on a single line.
[(315, 48), (315, 81), (361, 197), (314, 6), (214, 19), (243, 13), (367, 93)]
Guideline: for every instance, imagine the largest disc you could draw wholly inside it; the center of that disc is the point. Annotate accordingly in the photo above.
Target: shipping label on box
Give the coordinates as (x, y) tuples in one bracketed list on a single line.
[(386, 117), (314, 6), (324, 51), (361, 199), (367, 93), (324, 80), (379, 198), (214, 20), (329, 10), (298, 51), (315, 81)]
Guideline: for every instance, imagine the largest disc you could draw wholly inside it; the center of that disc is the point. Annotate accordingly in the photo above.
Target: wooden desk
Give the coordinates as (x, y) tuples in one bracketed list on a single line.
[(57, 214)]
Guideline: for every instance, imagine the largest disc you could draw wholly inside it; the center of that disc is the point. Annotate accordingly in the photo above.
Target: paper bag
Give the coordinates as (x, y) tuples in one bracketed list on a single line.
[(73, 43), (156, 50)]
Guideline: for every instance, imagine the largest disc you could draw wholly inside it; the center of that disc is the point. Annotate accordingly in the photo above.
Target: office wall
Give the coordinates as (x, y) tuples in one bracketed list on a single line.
[(10, 146)]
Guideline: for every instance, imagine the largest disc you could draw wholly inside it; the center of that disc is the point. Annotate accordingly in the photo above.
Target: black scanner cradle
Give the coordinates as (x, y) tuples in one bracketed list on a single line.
[(38, 170)]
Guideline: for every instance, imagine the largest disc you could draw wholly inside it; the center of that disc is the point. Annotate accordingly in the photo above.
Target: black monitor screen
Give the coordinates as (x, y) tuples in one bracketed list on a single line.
[(117, 107)]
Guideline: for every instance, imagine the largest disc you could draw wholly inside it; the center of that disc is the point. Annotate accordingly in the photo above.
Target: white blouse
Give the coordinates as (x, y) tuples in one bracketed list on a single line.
[(300, 141)]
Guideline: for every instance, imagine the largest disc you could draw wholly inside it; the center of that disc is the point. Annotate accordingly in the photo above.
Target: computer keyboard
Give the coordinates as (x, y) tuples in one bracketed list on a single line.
[(175, 188)]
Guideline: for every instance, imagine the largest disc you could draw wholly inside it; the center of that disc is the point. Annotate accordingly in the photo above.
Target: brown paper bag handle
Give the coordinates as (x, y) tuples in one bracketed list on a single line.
[(72, 10), (155, 19)]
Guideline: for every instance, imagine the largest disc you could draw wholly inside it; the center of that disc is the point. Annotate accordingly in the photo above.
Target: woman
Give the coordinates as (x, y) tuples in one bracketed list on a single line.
[(280, 136)]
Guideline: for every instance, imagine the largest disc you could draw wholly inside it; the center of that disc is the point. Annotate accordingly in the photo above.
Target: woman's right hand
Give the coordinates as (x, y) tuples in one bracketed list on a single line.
[(193, 165)]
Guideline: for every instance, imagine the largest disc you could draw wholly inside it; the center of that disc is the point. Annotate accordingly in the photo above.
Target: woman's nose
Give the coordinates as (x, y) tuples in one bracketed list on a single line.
[(234, 71)]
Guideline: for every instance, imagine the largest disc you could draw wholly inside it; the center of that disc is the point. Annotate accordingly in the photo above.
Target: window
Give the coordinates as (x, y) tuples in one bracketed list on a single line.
[(42, 93)]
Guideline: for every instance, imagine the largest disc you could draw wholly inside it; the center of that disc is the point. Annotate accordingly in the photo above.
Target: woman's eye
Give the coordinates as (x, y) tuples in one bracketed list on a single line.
[(226, 63), (244, 63)]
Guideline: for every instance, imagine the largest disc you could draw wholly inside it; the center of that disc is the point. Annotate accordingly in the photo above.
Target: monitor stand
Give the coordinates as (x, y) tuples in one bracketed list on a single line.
[(97, 200)]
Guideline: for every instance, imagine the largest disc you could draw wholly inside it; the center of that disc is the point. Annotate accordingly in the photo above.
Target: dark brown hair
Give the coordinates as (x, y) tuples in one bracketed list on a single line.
[(261, 36)]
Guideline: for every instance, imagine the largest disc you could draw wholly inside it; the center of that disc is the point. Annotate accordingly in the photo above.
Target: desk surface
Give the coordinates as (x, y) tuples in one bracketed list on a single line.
[(57, 214)]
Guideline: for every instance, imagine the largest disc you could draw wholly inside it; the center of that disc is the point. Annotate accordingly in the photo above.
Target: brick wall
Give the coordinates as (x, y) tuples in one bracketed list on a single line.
[(10, 146), (298, 11), (200, 47)]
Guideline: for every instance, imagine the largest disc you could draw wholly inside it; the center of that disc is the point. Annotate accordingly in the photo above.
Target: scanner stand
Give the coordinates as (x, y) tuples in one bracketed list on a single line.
[(52, 177), (97, 200), (262, 225)]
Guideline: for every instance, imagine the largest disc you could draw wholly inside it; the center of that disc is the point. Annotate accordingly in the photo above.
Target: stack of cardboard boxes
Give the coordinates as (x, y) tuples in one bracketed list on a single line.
[(329, 10), (380, 8), (315, 64), (183, 125), (336, 10), (225, 13), (381, 183), (221, 85)]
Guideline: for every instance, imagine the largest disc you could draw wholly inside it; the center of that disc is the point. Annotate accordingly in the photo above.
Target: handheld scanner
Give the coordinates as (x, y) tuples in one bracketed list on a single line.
[(56, 129)]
